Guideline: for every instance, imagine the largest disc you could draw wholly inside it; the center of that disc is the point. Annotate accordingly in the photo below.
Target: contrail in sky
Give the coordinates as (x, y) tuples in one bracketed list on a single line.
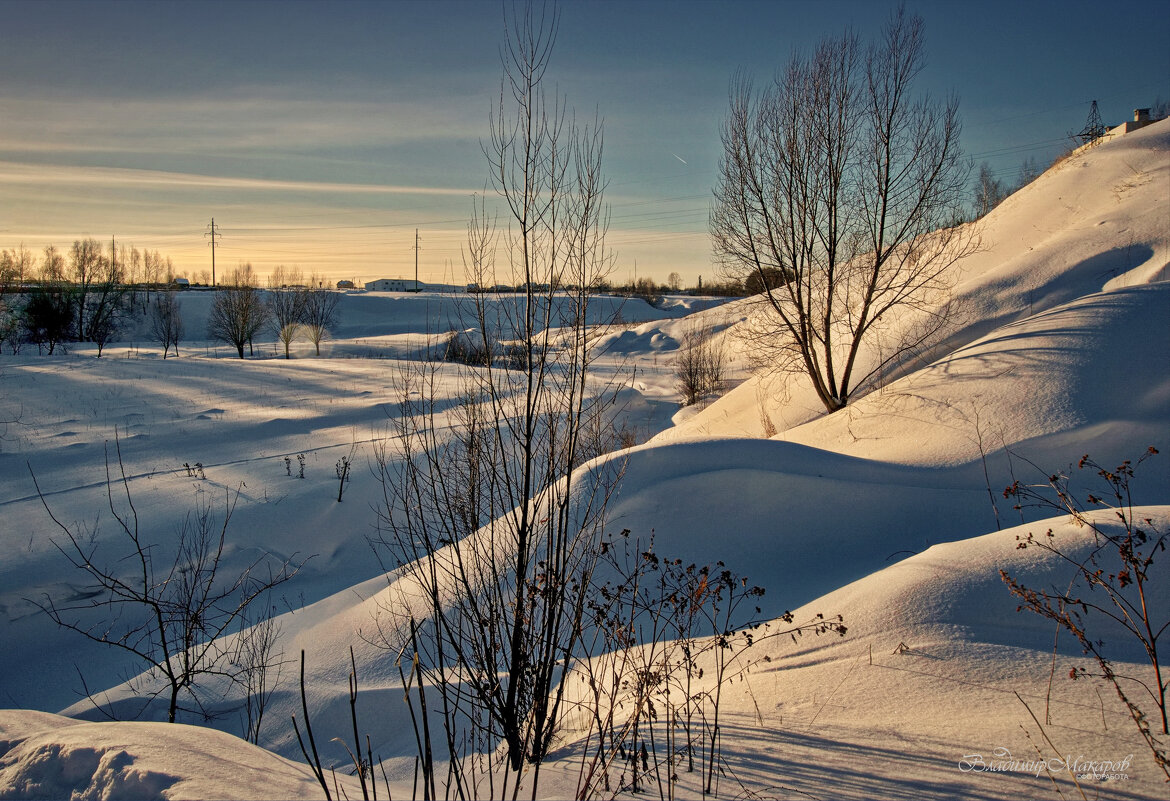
[(680, 158)]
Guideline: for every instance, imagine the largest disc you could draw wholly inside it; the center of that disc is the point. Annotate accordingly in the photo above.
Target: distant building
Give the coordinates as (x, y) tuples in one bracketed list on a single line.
[(394, 285), (180, 283), (1141, 118), (343, 284)]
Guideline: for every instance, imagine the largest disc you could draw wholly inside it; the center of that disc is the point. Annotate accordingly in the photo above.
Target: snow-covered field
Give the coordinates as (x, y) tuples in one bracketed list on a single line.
[(888, 513)]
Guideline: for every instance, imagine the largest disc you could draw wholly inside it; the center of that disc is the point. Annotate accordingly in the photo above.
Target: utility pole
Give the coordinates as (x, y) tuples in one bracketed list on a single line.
[(416, 248), (213, 233)]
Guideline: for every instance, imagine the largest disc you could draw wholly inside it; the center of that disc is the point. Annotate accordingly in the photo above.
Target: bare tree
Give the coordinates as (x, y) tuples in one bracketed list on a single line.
[(8, 280), (48, 317), (286, 305), (989, 191), (106, 302), (131, 259), (764, 280), (674, 281), (835, 175), (152, 267), (319, 314), (86, 261), (173, 615), (49, 309), (647, 290), (483, 511), (16, 267), (256, 657), (166, 321), (699, 363), (52, 266), (105, 324), (238, 312), (1029, 172), (12, 331)]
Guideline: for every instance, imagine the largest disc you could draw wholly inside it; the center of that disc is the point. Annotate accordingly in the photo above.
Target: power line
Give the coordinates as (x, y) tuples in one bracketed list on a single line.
[(278, 229), (1009, 149), (1129, 92)]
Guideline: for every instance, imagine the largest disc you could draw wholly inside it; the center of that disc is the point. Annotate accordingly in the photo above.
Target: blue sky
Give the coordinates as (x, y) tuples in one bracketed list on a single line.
[(321, 135)]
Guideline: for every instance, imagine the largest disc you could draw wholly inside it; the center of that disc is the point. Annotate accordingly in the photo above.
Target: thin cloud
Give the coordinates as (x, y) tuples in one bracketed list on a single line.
[(18, 173), (243, 122)]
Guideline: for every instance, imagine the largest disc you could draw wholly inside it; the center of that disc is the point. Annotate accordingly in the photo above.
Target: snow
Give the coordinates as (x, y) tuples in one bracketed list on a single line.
[(49, 756), (1095, 222), (880, 513), (1082, 372)]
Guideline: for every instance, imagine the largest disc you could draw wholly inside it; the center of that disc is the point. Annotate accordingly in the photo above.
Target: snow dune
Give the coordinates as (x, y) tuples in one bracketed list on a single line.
[(48, 756)]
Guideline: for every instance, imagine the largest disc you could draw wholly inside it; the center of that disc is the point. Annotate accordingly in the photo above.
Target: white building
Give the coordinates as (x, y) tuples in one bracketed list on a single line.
[(1141, 118), (394, 285), (404, 285)]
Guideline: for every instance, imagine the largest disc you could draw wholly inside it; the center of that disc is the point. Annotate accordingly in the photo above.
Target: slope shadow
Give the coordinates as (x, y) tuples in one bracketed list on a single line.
[(787, 764), (1113, 262)]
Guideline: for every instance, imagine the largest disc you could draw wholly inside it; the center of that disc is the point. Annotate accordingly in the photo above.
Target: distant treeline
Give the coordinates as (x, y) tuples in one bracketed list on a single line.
[(647, 288), (84, 294)]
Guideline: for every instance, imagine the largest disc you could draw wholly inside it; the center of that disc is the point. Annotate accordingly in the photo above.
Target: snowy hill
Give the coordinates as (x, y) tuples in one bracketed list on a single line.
[(880, 513), (1095, 222)]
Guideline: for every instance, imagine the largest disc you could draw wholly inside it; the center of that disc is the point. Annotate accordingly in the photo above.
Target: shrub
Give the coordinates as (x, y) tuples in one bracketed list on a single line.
[(699, 365), (1114, 584)]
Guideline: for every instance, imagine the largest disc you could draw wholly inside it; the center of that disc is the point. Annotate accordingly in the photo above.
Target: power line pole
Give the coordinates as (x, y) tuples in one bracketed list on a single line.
[(1094, 129), (213, 233), (416, 249)]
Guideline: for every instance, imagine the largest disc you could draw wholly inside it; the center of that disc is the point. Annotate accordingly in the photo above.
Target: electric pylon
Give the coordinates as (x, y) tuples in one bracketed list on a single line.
[(1094, 129), (213, 233)]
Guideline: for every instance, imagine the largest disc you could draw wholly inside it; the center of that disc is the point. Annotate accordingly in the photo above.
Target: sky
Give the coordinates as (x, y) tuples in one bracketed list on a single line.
[(321, 136)]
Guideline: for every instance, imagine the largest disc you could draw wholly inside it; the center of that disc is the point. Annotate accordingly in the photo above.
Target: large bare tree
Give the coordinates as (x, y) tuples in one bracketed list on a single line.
[(87, 264), (483, 511), (105, 306), (838, 177), (238, 312), (286, 304), (166, 321), (319, 313)]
